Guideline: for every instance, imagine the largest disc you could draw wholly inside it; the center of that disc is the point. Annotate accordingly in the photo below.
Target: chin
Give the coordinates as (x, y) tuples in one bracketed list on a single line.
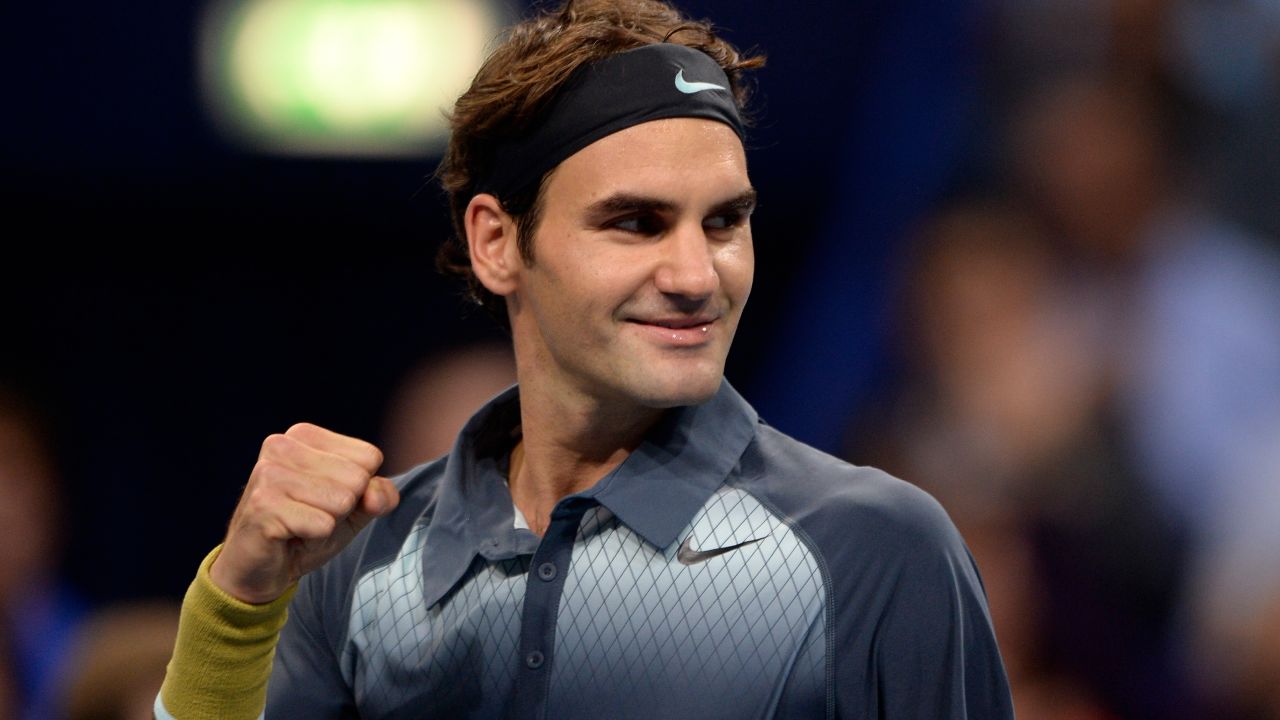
[(681, 391)]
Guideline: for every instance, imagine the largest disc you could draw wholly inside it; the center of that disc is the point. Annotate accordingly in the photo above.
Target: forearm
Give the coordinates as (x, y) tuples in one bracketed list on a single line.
[(222, 658)]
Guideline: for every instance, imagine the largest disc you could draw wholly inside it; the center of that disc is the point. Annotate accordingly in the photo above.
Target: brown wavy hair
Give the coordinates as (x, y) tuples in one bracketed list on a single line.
[(513, 90)]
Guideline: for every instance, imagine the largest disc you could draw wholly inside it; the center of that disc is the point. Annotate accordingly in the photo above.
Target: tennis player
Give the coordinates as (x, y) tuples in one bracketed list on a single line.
[(618, 535)]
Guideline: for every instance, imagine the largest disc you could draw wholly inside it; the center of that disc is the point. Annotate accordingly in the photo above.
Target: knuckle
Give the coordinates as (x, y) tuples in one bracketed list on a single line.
[(344, 500), (301, 429), (270, 472), (258, 506), (277, 531), (355, 477), (274, 444), (322, 525), (372, 456)]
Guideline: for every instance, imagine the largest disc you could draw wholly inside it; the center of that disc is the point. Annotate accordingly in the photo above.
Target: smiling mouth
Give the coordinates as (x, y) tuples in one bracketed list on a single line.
[(703, 324), (677, 324), (691, 332)]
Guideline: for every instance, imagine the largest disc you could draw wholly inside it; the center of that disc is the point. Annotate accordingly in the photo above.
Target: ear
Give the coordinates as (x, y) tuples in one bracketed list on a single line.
[(491, 239)]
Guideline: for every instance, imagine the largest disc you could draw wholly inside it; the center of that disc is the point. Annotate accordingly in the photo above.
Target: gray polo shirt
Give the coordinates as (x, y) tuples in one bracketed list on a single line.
[(724, 570)]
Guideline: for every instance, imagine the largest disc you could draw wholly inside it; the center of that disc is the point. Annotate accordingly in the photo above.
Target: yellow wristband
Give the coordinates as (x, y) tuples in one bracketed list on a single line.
[(222, 659)]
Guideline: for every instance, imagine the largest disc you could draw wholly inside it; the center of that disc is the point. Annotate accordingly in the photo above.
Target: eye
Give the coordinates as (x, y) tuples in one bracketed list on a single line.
[(724, 221), (642, 224)]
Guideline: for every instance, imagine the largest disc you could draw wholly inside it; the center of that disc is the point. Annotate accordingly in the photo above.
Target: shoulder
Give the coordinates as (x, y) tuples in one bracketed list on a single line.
[(905, 600), (841, 504)]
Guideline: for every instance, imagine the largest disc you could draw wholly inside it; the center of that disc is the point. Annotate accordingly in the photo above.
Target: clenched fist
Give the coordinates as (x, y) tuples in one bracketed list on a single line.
[(309, 494)]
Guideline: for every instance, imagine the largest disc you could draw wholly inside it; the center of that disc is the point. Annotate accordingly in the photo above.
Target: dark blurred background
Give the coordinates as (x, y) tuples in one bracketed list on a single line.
[(1019, 252)]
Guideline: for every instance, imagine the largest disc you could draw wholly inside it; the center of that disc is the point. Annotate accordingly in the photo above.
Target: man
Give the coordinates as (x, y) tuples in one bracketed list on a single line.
[(618, 535)]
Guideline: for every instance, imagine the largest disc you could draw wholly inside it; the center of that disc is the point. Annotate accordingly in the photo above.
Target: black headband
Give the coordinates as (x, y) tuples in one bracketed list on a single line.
[(647, 83)]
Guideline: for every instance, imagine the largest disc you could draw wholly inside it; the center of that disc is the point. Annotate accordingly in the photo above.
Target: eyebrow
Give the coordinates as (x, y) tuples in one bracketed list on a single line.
[(629, 203), (743, 203)]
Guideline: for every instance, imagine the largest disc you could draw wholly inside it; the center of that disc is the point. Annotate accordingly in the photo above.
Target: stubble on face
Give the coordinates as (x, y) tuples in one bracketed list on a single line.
[(644, 263)]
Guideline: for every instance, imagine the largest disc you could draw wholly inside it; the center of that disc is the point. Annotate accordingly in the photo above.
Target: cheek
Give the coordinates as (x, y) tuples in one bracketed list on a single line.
[(736, 264), (607, 275), (582, 282)]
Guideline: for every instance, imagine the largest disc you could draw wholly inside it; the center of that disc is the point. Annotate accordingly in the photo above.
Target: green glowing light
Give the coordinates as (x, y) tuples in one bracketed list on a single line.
[(341, 77)]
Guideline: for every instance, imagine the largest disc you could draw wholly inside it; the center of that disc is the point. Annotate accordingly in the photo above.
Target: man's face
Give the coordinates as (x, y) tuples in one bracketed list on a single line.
[(642, 264)]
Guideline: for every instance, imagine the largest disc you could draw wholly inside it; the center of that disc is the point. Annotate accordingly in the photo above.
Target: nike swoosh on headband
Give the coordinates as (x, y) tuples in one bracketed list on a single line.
[(689, 88), (688, 556), (603, 97)]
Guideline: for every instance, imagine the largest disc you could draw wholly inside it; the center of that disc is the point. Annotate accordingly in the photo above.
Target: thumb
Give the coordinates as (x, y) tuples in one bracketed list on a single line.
[(380, 498)]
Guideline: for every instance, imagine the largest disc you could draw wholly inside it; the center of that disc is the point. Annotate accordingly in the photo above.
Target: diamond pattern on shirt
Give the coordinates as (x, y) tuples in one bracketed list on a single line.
[(635, 622), (440, 660)]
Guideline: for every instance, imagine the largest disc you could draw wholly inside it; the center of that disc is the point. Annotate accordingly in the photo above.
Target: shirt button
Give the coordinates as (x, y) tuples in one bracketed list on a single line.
[(534, 660), (547, 571)]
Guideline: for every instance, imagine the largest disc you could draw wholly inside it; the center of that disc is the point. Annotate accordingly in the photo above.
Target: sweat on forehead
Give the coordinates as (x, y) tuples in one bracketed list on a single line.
[(647, 83)]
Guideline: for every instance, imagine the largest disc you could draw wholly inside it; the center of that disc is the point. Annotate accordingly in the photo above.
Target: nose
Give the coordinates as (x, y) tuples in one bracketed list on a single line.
[(687, 267)]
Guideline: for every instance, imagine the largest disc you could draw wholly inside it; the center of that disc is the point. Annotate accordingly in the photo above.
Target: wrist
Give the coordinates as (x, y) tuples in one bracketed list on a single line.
[(216, 570), (223, 654)]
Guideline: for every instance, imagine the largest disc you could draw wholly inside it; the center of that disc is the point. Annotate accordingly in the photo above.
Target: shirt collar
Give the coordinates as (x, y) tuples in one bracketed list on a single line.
[(656, 491), (662, 485)]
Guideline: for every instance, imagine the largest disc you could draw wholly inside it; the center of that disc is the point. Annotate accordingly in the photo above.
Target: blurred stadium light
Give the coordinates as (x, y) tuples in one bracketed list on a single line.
[(349, 78)]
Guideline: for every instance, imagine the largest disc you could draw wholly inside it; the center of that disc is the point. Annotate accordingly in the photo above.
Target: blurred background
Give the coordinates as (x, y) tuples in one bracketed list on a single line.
[(1022, 253)]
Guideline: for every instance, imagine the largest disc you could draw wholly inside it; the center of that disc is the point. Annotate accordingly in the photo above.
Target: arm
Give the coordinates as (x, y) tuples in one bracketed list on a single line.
[(308, 496), (223, 654)]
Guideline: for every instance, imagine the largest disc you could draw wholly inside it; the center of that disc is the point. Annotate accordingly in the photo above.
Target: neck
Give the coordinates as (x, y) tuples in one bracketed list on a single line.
[(570, 442)]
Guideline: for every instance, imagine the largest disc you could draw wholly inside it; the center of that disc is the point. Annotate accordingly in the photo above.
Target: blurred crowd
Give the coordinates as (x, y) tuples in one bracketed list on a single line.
[(62, 658), (1085, 372), (1087, 358)]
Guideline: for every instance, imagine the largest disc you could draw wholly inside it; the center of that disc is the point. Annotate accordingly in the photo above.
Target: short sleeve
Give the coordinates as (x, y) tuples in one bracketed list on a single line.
[(935, 654), (306, 681)]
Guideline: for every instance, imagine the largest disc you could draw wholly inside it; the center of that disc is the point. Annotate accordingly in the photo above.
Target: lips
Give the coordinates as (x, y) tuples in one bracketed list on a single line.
[(676, 323), (676, 331)]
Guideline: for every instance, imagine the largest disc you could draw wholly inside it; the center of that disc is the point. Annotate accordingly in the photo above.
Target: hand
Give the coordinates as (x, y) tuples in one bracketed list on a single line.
[(309, 494)]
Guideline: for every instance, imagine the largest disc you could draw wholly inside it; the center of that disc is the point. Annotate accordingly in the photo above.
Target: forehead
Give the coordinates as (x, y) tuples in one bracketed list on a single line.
[(684, 160)]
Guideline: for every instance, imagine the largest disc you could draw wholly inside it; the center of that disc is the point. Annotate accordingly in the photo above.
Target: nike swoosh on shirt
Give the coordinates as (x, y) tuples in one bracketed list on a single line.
[(689, 88), (688, 556)]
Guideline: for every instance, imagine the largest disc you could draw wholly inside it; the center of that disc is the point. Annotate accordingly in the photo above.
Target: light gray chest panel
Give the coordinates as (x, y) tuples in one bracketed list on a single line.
[(719, 624), (443, 661)]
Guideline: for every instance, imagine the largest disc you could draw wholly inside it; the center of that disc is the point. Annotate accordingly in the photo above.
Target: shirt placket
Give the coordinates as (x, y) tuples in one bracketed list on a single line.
[(544, 587)]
